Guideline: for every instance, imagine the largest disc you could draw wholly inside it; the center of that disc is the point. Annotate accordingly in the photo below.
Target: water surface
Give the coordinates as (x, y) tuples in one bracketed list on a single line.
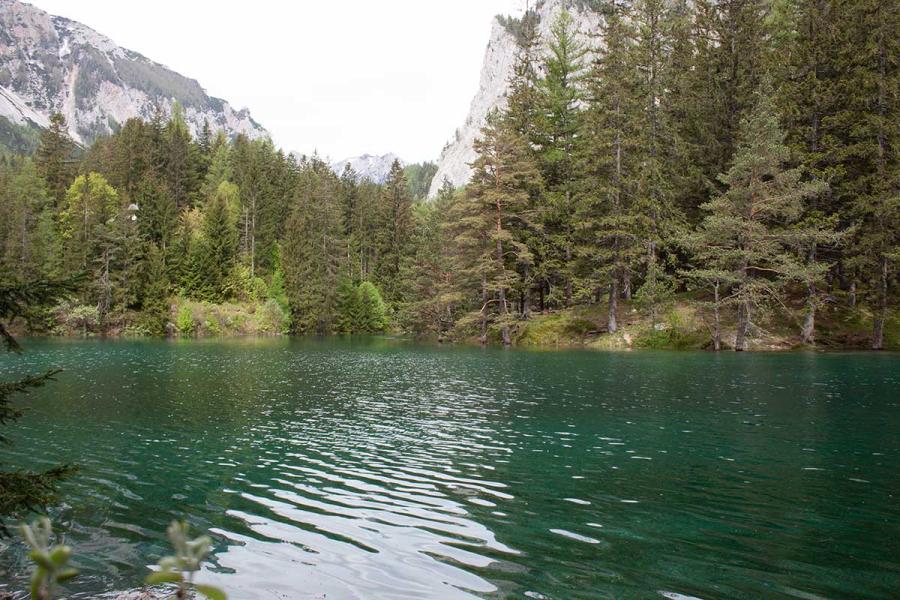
[(382, 469)]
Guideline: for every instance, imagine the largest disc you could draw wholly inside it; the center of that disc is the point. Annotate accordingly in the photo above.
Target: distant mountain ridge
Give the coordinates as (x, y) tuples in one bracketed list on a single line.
[(368, 166), (51, 64)]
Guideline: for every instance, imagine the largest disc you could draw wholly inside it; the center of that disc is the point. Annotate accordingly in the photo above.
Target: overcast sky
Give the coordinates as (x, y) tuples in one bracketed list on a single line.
[(344, 77)]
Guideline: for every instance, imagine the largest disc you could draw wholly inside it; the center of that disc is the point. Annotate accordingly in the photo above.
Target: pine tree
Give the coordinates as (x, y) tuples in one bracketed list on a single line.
[(54, 158), (158, 213), (89, 205), (504, 180), (181, 160), (428, 269), (396, 232), (743, 241), (346, 308), (23, 202), (559, 96), (314, 251), (372, 310), (156, 291), (867, 152), (808, 98), (214, 255), (613, 228)]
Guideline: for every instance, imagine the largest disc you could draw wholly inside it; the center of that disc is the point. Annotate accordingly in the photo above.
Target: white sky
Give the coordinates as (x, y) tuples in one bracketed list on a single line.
[(344, 77)]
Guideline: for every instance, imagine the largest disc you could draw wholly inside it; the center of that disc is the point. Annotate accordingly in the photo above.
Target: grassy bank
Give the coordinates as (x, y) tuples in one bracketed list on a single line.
[(687, 326), (184, 318)]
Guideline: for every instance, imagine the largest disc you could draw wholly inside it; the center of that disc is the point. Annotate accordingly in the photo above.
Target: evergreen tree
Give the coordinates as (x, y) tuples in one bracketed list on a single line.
[(156, 290), (613, 228), (428, 269), (54, 157), (314, 251), (504, 180), (559, 96), (23, 202), (214, 254), (372, 312), (396, 232), (90, 205), (181, 160), (158, 213), (809, 101), (744, 237), (346, 308), (868, 149)]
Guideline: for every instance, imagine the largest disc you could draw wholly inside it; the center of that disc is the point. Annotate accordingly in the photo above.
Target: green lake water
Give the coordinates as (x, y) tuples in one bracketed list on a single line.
[(383, 469)]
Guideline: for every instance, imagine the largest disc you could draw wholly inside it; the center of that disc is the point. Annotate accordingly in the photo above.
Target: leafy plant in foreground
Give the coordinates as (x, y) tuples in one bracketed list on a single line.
[(50, 561), (179, 568)]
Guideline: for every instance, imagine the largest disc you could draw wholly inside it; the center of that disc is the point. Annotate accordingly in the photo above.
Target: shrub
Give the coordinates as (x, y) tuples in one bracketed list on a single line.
[(272, 318), (185, 321)]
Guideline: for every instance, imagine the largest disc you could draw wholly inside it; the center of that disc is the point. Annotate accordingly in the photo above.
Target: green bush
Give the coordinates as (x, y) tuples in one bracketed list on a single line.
[(185, 321), (272, 318), (212, 326)]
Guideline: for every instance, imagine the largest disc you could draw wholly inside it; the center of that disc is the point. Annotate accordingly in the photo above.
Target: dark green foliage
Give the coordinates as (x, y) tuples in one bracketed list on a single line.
[(214, 253), (158, 81), (18, 139), (54, 157), (22, 490), (396, 232), (360, 309), (314, 251), (418, 179)]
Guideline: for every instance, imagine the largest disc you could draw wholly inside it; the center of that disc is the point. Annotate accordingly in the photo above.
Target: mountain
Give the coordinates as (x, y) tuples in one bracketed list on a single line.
[(499, 60), (51, 64), (368, 166)]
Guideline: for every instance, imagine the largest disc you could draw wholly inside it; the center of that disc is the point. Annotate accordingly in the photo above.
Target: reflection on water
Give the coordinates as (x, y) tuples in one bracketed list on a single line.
[(378, 469)]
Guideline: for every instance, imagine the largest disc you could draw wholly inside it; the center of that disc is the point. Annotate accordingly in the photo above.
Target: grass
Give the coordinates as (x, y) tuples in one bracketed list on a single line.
[(686, 325), (204, 319)]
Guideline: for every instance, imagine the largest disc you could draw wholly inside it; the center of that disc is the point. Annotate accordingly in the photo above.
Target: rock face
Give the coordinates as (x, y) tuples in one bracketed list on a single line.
[(499, 60), (368, 166), (50, 64)]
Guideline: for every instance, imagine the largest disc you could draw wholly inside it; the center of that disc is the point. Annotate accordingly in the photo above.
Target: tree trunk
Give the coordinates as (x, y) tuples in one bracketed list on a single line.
[(853, 294), (504, 318), (484, 309), (568, 290), (807, 333), (881, 313), (743, 325), (717, 327), (612, 325), (504, 309), (526, 296)]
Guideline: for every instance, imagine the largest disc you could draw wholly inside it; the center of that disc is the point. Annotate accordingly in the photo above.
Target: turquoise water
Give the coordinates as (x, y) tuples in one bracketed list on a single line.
[(382, 469)]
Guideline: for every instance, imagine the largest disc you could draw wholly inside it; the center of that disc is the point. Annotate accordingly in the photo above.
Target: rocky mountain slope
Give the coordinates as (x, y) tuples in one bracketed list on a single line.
[(368, 166), (499, 59), (51, 64)]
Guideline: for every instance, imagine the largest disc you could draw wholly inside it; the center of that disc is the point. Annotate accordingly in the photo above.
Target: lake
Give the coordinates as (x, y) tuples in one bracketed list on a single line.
[(373, 468)]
